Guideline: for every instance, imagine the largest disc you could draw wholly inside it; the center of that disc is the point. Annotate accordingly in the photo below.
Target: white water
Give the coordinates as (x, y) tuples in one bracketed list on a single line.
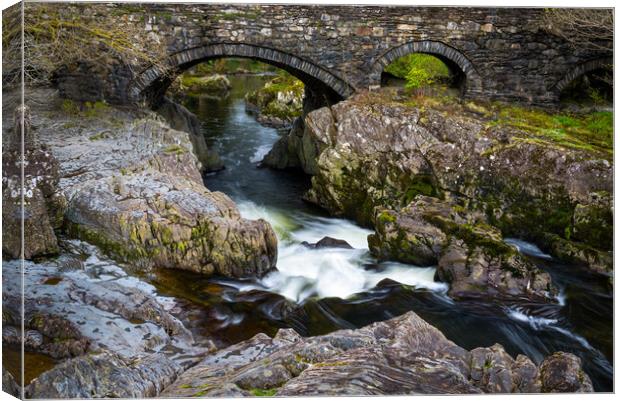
[(541, 323), (527, 248), (328, 272)]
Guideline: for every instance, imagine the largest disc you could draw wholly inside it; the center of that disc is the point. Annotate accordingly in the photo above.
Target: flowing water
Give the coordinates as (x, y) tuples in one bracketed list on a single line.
[(316, 291)]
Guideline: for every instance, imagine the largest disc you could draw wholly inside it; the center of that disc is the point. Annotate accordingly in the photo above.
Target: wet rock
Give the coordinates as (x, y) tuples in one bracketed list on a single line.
[(9, 385), (106, 375), (470, 254), (43, 204), (575, 252), (182, 119), (371, 151), (406, 236), (404, 355), (134, 189), (90, 310), (172, 222), (562, 373), (328, 242)]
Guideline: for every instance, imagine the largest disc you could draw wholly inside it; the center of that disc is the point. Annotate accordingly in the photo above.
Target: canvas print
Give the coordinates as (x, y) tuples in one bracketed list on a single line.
[(274, 200)]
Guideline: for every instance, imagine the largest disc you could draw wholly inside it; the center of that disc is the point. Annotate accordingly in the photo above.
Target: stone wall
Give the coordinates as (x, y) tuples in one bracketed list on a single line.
[(504, 52)]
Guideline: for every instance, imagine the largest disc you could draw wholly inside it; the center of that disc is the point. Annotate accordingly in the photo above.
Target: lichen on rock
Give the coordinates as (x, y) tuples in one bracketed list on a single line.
[(403, 355), (137, 192), (376, 151)]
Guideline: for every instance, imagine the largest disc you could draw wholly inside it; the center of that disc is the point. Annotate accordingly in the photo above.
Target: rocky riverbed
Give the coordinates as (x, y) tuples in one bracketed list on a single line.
[(135, 202)]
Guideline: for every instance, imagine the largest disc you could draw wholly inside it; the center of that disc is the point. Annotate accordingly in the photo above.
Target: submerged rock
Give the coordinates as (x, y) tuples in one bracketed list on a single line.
[(404, 355), (43, 204)]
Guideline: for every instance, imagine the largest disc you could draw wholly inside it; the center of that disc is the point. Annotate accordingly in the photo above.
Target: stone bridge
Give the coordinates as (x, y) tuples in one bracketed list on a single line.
[(494, 53)]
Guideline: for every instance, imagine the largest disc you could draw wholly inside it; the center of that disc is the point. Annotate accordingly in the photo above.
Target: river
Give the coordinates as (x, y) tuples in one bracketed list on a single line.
[(316, 291)]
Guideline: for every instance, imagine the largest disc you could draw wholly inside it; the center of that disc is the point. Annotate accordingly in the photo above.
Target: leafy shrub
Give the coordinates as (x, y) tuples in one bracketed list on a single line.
[(419, 70)]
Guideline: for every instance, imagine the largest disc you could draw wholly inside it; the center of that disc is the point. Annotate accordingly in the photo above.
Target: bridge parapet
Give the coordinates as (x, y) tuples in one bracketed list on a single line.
[(504, 53)]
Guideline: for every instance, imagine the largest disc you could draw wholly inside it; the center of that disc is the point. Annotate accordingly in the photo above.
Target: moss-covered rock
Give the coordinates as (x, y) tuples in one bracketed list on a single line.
[(469, 253), (138, 193), (278, 103), (157, 218), (375, 151), (215, 84)]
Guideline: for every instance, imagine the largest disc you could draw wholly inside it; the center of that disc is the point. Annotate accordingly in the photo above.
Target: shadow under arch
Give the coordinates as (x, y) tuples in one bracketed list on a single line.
[(454, 59), (152, 83), (578, 71)]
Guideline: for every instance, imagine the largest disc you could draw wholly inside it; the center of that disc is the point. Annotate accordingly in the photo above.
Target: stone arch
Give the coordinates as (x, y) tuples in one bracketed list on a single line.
[(578, 71), (449, 55), (154, 81)]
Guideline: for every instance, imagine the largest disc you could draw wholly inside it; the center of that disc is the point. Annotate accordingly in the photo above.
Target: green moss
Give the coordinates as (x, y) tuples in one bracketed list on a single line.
[(175, 149), (592, 132), (259, 392), (386, 217), (205, 84), (266, 98), (115, 249), (86, 109), (70, 107), (99, 136), (422, 186)]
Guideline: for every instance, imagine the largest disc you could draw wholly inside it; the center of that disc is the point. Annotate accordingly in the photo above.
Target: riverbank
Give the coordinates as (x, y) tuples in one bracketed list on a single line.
[(124, 160), (372, 155)]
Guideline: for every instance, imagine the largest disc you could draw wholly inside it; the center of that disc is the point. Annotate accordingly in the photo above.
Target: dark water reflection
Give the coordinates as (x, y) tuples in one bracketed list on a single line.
[(231, 311)]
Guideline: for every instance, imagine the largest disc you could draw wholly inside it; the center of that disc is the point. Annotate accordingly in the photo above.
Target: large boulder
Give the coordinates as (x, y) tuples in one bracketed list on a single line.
[(404, 355), (278, 103), (562, 373), (470, 254), (39, 202), (134, 188), (374, 150)]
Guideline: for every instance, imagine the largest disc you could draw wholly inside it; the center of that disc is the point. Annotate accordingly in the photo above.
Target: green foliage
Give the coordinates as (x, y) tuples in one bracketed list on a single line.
[(419, 70), (230, 66), (596, 96), (418, 78)]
